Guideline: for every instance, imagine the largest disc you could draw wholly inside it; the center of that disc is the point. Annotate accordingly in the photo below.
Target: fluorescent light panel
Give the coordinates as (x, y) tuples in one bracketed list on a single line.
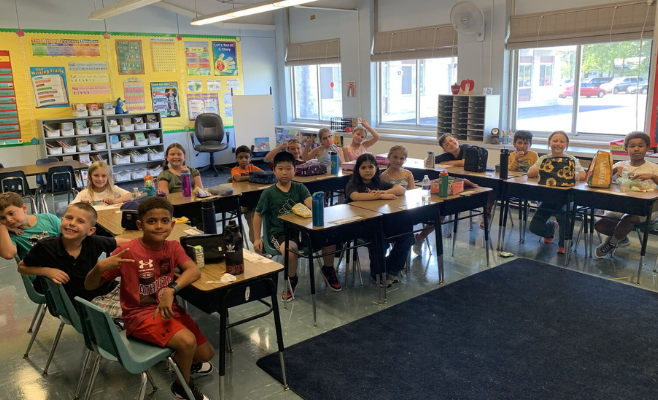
[(119, 8), (248, 10)]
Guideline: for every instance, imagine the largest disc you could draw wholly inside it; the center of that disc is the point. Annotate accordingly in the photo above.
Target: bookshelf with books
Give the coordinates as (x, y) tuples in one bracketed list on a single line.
[(132, 144)]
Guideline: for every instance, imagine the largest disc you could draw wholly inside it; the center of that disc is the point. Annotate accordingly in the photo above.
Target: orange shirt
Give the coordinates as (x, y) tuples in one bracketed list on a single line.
[(239, 171)]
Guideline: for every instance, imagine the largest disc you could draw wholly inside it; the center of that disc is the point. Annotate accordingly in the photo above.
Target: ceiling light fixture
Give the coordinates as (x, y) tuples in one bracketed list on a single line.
[(120, 7), (248, 10)]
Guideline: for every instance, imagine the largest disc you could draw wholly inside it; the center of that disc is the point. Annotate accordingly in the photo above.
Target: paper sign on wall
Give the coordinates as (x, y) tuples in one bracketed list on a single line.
[(197, 58), (133, 94), (49, 84), (129, 57), (224, 58), (163, 54), (200, 103), (165, 98)]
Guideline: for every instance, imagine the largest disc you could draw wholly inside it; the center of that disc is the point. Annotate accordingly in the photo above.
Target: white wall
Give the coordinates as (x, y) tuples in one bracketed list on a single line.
[(259, 51)]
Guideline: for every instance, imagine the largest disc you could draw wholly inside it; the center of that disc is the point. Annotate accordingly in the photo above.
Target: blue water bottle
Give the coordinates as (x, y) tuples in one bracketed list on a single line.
[(318, 208), (334, 162), (186, 182)]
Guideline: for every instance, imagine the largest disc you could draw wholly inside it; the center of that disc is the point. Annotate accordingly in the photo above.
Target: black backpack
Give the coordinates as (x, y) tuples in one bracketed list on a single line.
[(475, 159)]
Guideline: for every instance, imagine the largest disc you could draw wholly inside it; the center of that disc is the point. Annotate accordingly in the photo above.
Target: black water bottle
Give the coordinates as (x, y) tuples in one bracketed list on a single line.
[(504, 163), (208, 217), (233, 249)]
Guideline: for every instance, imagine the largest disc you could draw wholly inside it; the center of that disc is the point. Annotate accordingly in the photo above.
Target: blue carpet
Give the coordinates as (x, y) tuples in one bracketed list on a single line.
[(522, 330)]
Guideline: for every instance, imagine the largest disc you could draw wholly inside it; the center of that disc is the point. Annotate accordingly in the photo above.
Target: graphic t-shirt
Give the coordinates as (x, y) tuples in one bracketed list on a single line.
[(274, 202), (239, 171), (47, 226), (143, 280), (114, 193)]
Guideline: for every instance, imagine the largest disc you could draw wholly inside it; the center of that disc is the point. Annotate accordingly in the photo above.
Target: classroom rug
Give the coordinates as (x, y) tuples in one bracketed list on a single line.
[(522, 330)]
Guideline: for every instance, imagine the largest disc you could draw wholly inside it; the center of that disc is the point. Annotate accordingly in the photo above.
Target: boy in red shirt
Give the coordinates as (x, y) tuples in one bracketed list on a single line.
[(148, 291)]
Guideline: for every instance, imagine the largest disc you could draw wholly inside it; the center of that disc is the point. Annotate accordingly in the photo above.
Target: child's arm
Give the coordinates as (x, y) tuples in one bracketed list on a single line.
[(82, 197), (95, 277), (533, 172), (56, 275), (236, 174), (305, 152), (256, 225), (411, 184), (375, 135), (163, 186), (341, 156), (121, 241), (197, 182), (122, 199), (270, 156), (190, 274), (456, 163), (8, 249), (513, 161)]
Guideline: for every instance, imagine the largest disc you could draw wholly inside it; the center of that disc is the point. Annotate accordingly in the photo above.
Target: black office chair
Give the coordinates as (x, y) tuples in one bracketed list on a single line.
[(209, 131), (1, 166), (16, 182)]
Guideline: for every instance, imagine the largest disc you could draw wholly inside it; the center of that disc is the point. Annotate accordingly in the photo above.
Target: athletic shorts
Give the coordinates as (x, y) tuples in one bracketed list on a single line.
[(618, 215), (160, 331)]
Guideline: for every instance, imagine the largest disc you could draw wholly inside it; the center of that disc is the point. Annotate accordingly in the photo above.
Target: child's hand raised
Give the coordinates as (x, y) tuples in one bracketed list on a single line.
[(113, 262), (310, 139)]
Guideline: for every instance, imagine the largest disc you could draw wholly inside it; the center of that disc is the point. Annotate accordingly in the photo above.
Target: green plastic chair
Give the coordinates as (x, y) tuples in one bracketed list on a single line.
[(39, 313), (102, 337), (60, 306)]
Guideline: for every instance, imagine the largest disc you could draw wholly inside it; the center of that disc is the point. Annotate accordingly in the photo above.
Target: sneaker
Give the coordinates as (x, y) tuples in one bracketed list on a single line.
[(179, 393), (604, 249), (417, 248), (561, 250), (488, 222), (329, 274), (393, 278), (292, 285), (201, 369), (550, 239), (388, 282), (625, 242)]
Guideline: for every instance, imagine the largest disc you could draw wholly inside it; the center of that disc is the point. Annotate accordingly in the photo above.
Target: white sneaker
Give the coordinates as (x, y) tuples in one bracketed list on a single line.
[(417, 248)]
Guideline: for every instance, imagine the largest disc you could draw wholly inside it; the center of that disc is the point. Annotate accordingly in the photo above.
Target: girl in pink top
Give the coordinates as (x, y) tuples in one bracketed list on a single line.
[(358, 146)]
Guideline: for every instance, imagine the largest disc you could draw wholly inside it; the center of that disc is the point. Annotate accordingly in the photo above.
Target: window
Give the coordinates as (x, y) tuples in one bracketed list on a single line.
[(409, 89), (612, 93), (317, 93)]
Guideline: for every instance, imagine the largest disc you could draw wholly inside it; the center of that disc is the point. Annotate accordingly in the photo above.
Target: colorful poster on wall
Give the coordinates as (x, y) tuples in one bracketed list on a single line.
[(163, 54), (197, 58), (214, 85), (49, 84), (129, 57), (262, 144), (194, 85), (87, 66), (165, 98), (133, 94), (81, 84), (10, 131), (65, 47), (224, 58), (201, 103), (232, 84)]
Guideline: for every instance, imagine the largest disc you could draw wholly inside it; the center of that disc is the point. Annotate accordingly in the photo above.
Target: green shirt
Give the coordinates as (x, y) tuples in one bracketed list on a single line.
[(47, 225), (175, 185), (275, 202)]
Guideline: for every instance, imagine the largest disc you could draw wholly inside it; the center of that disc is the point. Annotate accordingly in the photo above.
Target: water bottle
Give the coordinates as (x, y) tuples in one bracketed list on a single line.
[(186, 182), (443, 184), (334, 162), (208, 217), (135, 194), (504, 163), (626, 173), (233, 249), (426, 189), (430, 159), (318, 208)]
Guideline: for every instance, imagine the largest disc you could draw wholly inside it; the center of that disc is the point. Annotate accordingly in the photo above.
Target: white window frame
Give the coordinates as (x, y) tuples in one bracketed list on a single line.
[(294, 98)]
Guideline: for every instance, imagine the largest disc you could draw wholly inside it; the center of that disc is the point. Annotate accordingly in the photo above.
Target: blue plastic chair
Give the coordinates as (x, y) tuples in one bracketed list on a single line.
[(39, 313), (16, 182), (60, 307), (102, 337), (59, 180)]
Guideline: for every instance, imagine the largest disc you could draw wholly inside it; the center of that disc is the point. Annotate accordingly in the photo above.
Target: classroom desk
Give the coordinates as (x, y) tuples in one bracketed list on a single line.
[(408, 210), (530, 189), (258, 281), (33, 169), (249, 192), (325, 182), (110, 221), (341, 224), (636, 203)]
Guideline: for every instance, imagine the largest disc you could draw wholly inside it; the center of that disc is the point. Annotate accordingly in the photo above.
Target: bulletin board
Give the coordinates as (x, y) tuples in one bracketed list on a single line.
[(43, 72)]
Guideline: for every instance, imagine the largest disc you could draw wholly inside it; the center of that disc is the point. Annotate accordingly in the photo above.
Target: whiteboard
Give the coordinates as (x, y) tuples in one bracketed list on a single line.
[(253, 117)]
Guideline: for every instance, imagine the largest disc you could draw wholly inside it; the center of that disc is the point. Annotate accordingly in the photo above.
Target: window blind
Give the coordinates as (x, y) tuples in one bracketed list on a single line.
[(585, 25), (313, 53), (416, 43)]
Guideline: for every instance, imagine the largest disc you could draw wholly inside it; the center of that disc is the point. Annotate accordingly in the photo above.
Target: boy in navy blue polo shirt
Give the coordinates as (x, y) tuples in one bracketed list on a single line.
[(66, 259)]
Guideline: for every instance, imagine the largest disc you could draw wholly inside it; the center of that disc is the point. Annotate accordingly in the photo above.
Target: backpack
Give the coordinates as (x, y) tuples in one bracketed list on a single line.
[(262, 177), (599, 173), (557, 171), (475, 159), (311, 167)]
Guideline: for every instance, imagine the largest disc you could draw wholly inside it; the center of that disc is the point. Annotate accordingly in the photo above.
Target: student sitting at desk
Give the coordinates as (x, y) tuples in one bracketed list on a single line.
[(169, 179), (100, 187), (395, 174), (616, 225), (541, 225), (322, 152), (240, 173), (292, 146), (358, 146), (279, 200), (366, 184), (453, 152), (521, 159)]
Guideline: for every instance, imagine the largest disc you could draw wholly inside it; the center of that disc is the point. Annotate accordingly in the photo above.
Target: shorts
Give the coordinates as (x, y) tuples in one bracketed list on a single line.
[(618, 215), (161, 331), (110, 302), (276, 241)]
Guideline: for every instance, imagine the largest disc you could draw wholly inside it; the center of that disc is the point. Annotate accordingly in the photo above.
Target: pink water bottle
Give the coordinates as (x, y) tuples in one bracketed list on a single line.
[(186, 182)]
